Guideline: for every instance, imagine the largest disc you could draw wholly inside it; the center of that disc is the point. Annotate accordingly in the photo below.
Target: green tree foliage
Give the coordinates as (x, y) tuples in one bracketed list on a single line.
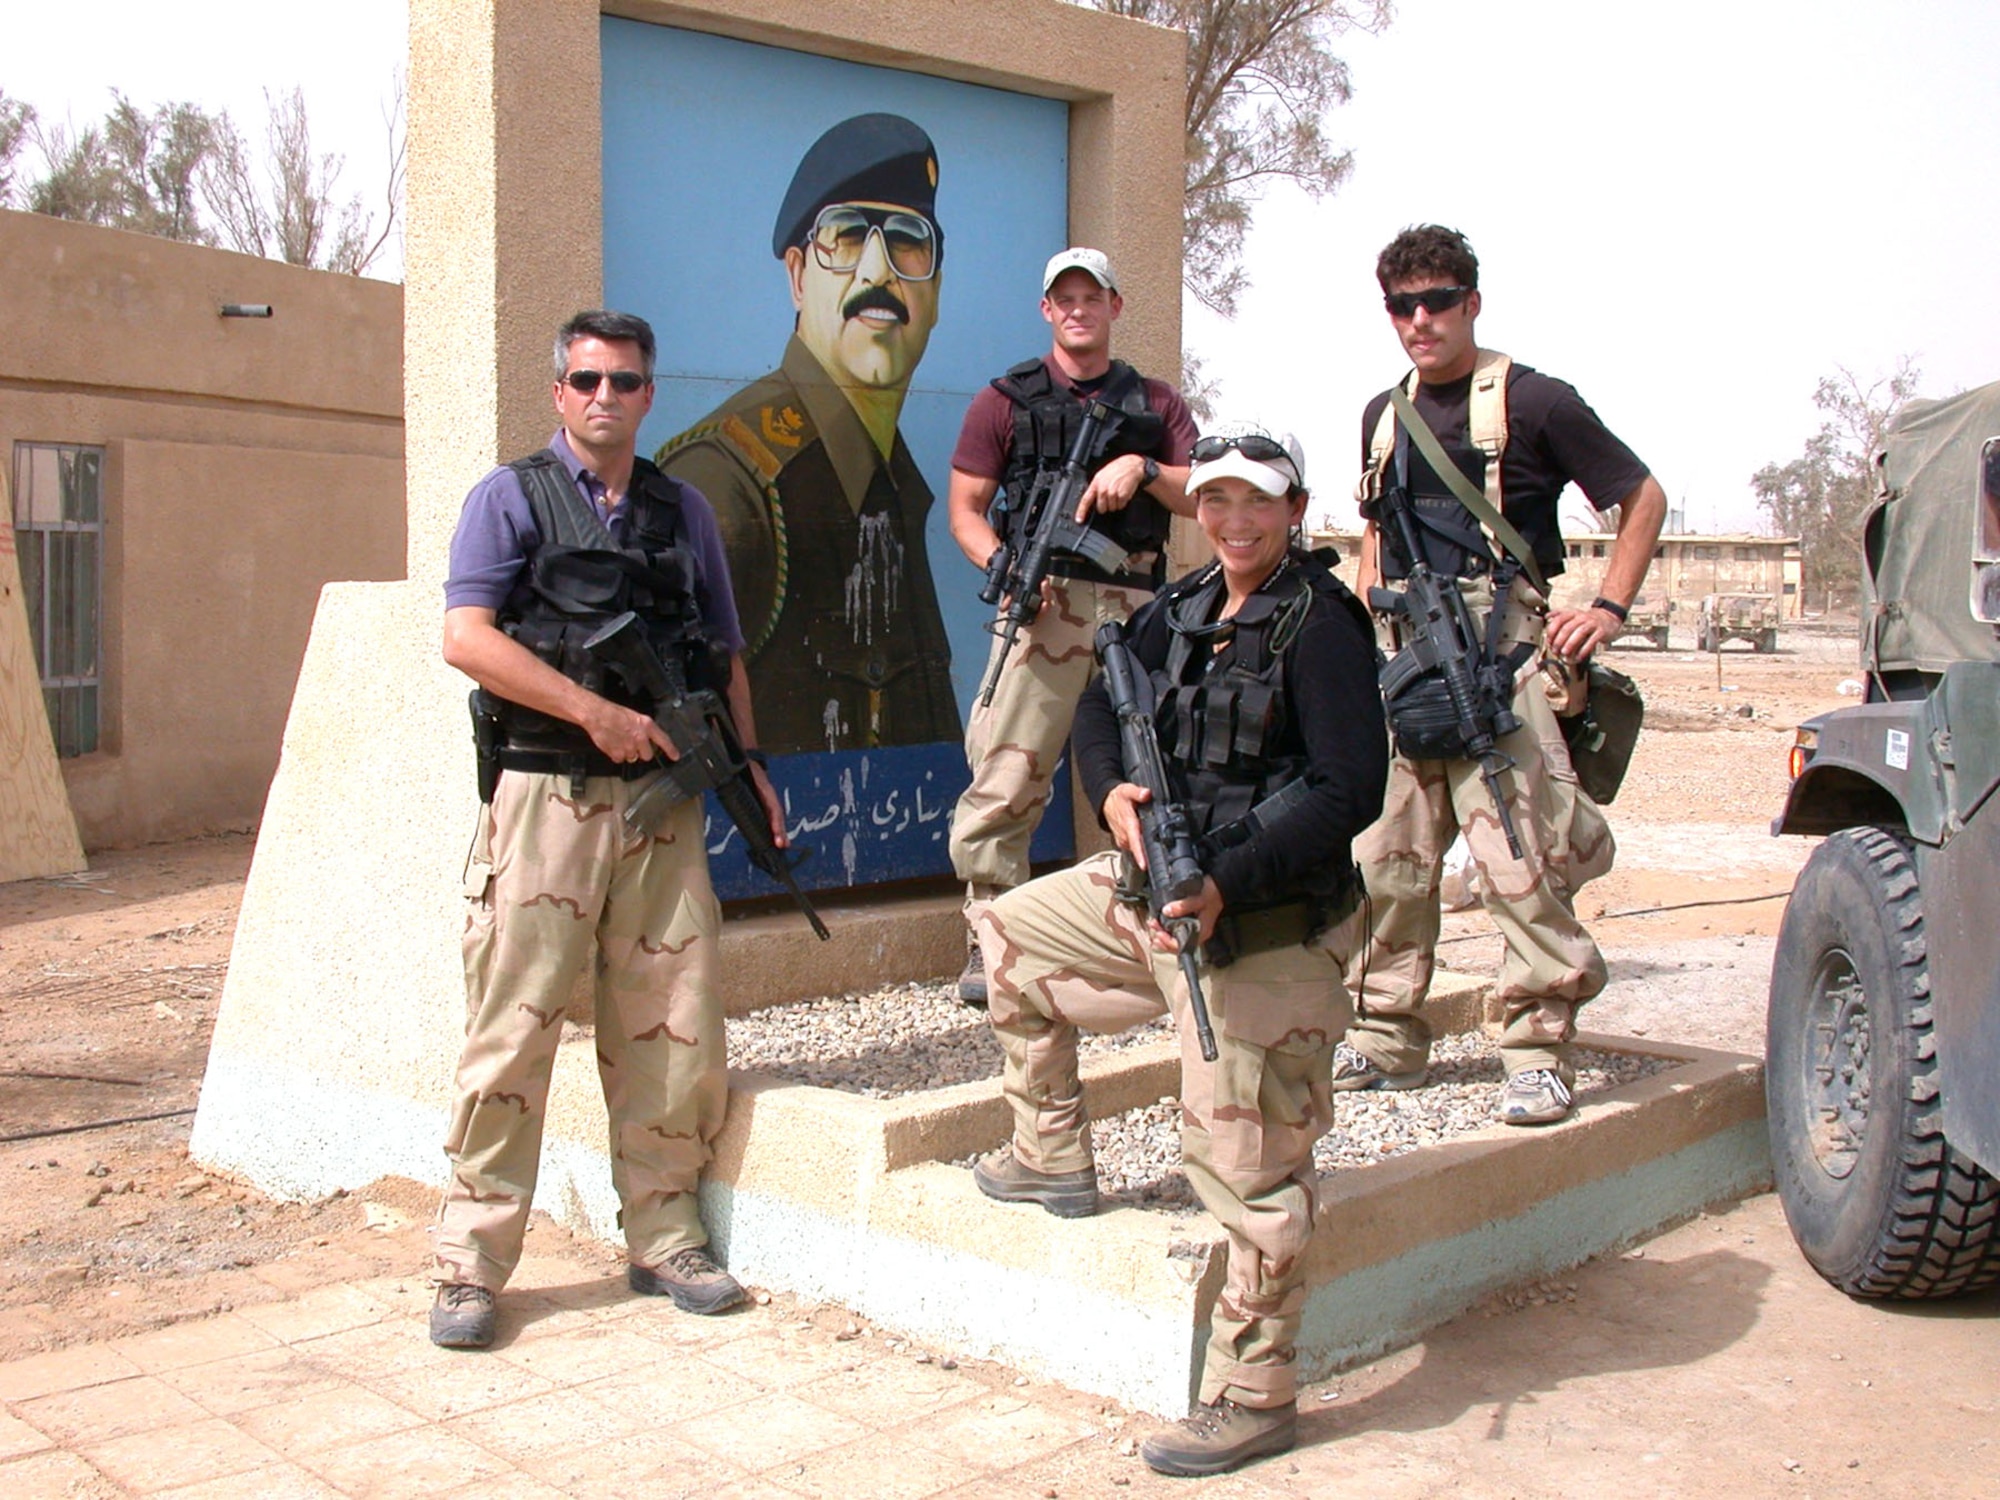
[(1262, 77), (1821, 495), (15, 118), (155, 159), (79, 180), (183, 174)]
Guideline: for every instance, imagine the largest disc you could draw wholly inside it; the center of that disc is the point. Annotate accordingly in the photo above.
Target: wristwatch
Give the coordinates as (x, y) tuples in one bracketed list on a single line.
[(1149, 471)]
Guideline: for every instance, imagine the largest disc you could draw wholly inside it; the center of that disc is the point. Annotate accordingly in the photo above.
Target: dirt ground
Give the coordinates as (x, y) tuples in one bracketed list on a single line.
[(109, 983)]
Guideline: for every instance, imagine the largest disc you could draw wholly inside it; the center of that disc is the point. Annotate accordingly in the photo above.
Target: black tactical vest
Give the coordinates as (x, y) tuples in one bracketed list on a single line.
[(1223, 719), (579, 579), (1046, 419), (1450, 535)]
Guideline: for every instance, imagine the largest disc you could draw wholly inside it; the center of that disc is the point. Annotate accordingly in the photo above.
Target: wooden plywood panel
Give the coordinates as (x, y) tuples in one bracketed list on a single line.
[(37, 832)]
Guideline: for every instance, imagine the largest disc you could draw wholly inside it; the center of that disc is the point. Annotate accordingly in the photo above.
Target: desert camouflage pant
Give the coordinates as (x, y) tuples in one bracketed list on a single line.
[(551, 879), (1013, 743), (1551, 965), (1062, 953)]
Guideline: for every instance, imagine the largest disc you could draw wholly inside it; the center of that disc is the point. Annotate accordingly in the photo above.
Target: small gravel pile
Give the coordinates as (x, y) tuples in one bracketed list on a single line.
[(906, 1039)]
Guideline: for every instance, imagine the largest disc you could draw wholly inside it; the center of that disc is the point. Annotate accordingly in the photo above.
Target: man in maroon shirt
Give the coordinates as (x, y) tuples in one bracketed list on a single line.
[(1017, 429)]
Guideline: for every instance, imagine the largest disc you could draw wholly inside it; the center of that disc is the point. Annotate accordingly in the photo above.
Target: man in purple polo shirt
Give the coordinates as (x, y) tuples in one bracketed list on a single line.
[(547, 550)]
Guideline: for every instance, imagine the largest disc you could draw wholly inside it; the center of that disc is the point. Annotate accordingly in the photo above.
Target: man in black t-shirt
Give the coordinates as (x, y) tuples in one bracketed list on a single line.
[(1518, 437)]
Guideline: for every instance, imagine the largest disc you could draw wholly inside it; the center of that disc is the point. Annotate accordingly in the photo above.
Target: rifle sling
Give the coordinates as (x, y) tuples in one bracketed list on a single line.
[(1461, 487)]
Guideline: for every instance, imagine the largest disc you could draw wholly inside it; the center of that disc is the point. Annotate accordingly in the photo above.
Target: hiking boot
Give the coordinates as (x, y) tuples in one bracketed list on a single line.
[(1221, 1437), (972, 980), (462, 1316), (692, 1278), (1354, 1074), (1533, 1096), (1067, 1195)]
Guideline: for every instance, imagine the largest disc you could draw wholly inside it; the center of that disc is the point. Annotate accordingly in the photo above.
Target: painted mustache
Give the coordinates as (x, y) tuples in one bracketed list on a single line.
[(875, 297)]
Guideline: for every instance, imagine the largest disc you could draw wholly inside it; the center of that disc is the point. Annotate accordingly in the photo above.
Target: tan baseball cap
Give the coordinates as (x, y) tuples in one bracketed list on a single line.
[(1080, 258)]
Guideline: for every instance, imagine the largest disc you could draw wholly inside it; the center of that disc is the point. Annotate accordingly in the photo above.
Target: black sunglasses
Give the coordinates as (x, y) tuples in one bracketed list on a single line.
[(1433, 300), (586, 382), (1254, 446)]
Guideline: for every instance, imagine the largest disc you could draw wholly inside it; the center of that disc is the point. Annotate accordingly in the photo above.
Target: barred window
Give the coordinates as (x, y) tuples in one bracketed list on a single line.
[(59, 536)]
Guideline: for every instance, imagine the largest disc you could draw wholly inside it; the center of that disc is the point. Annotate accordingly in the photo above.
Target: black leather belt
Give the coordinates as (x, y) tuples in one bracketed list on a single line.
[(572, 763)]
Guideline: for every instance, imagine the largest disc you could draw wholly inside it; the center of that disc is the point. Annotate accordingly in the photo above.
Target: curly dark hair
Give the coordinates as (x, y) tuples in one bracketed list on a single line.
[(612, 328), (1426, 250)]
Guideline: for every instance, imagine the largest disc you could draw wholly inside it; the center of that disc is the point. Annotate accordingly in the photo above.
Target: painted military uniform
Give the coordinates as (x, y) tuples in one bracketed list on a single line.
[(831, 572), (1519, 436), (1289, 701)]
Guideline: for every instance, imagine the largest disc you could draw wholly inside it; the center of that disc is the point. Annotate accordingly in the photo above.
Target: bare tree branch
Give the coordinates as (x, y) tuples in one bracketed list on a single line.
[(1821, 496)]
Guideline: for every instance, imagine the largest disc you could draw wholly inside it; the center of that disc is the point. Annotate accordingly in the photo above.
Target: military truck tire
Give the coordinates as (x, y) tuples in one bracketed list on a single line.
[(1660, 637), (1767, 642), (1877, 1199), (1702, 640)]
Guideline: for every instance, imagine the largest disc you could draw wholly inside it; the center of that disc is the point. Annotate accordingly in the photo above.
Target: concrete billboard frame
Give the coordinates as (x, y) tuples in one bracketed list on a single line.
[(342, 1014)]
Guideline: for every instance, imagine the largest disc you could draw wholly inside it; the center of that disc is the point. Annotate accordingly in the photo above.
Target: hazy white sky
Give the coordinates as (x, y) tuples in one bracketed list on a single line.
[(1690, 211)]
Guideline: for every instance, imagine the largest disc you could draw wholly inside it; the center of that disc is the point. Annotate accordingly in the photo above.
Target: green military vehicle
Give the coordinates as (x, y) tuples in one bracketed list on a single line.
[(1883, 1034), (1737, 617)]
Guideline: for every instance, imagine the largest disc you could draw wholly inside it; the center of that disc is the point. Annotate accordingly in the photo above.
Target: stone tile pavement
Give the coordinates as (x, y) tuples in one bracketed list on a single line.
[(1709, 1361), (590, 1391)]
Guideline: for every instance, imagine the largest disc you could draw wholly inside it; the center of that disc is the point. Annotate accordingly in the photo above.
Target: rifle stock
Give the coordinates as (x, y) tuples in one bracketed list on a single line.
[(1173, 868)]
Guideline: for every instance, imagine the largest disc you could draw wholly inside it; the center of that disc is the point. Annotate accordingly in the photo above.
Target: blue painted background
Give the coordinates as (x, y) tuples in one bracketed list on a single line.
[(701, 136)]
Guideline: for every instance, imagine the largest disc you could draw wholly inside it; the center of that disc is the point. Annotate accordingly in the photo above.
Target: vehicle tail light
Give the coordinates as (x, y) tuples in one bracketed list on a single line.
[(1804, 743)]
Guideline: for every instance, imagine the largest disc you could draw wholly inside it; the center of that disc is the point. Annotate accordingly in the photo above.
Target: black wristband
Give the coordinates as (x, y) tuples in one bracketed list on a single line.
[(757, 757), (1149, 471), (1622, 611)]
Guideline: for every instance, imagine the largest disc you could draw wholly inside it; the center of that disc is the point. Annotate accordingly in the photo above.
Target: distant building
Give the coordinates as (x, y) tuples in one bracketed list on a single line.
[(195, 441), (1685, 567)]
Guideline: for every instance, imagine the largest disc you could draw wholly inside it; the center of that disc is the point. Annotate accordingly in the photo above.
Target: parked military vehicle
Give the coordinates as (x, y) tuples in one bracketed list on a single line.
[(1650, 618), (1737, 617), (1883, 1033)]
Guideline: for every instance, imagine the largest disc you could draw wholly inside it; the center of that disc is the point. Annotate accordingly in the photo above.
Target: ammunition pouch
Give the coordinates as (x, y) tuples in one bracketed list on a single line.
[(1602, 735), (1422, 718)]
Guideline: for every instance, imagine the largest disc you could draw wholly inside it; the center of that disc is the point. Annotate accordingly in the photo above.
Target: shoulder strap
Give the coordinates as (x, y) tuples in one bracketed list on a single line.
[(1433, 451), (1126, 389), (562, 516)]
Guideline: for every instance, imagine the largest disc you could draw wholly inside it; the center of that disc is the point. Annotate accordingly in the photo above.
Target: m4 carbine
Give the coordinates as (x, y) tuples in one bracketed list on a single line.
[(1049, 525), (1439, 637), (1166, 832), (711, 757)]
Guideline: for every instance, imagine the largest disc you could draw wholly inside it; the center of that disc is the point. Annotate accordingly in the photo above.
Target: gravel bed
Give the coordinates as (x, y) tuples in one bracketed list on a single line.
[(911, 1038), (906, 1039), (1138, 1153)]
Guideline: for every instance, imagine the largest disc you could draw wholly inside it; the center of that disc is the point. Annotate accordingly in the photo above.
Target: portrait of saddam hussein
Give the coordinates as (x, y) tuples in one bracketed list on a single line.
[(821, 507)]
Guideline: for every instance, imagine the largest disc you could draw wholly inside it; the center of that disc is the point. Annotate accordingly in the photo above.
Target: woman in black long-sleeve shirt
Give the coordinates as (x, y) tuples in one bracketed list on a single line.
[(1271, 726)]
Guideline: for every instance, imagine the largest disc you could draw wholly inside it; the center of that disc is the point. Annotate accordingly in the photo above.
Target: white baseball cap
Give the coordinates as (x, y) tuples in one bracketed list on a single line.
[(1278, 462), (1080, 258)]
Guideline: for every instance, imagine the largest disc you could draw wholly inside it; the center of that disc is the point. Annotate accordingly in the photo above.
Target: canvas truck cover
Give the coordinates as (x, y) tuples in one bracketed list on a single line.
[(1917, 539)]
